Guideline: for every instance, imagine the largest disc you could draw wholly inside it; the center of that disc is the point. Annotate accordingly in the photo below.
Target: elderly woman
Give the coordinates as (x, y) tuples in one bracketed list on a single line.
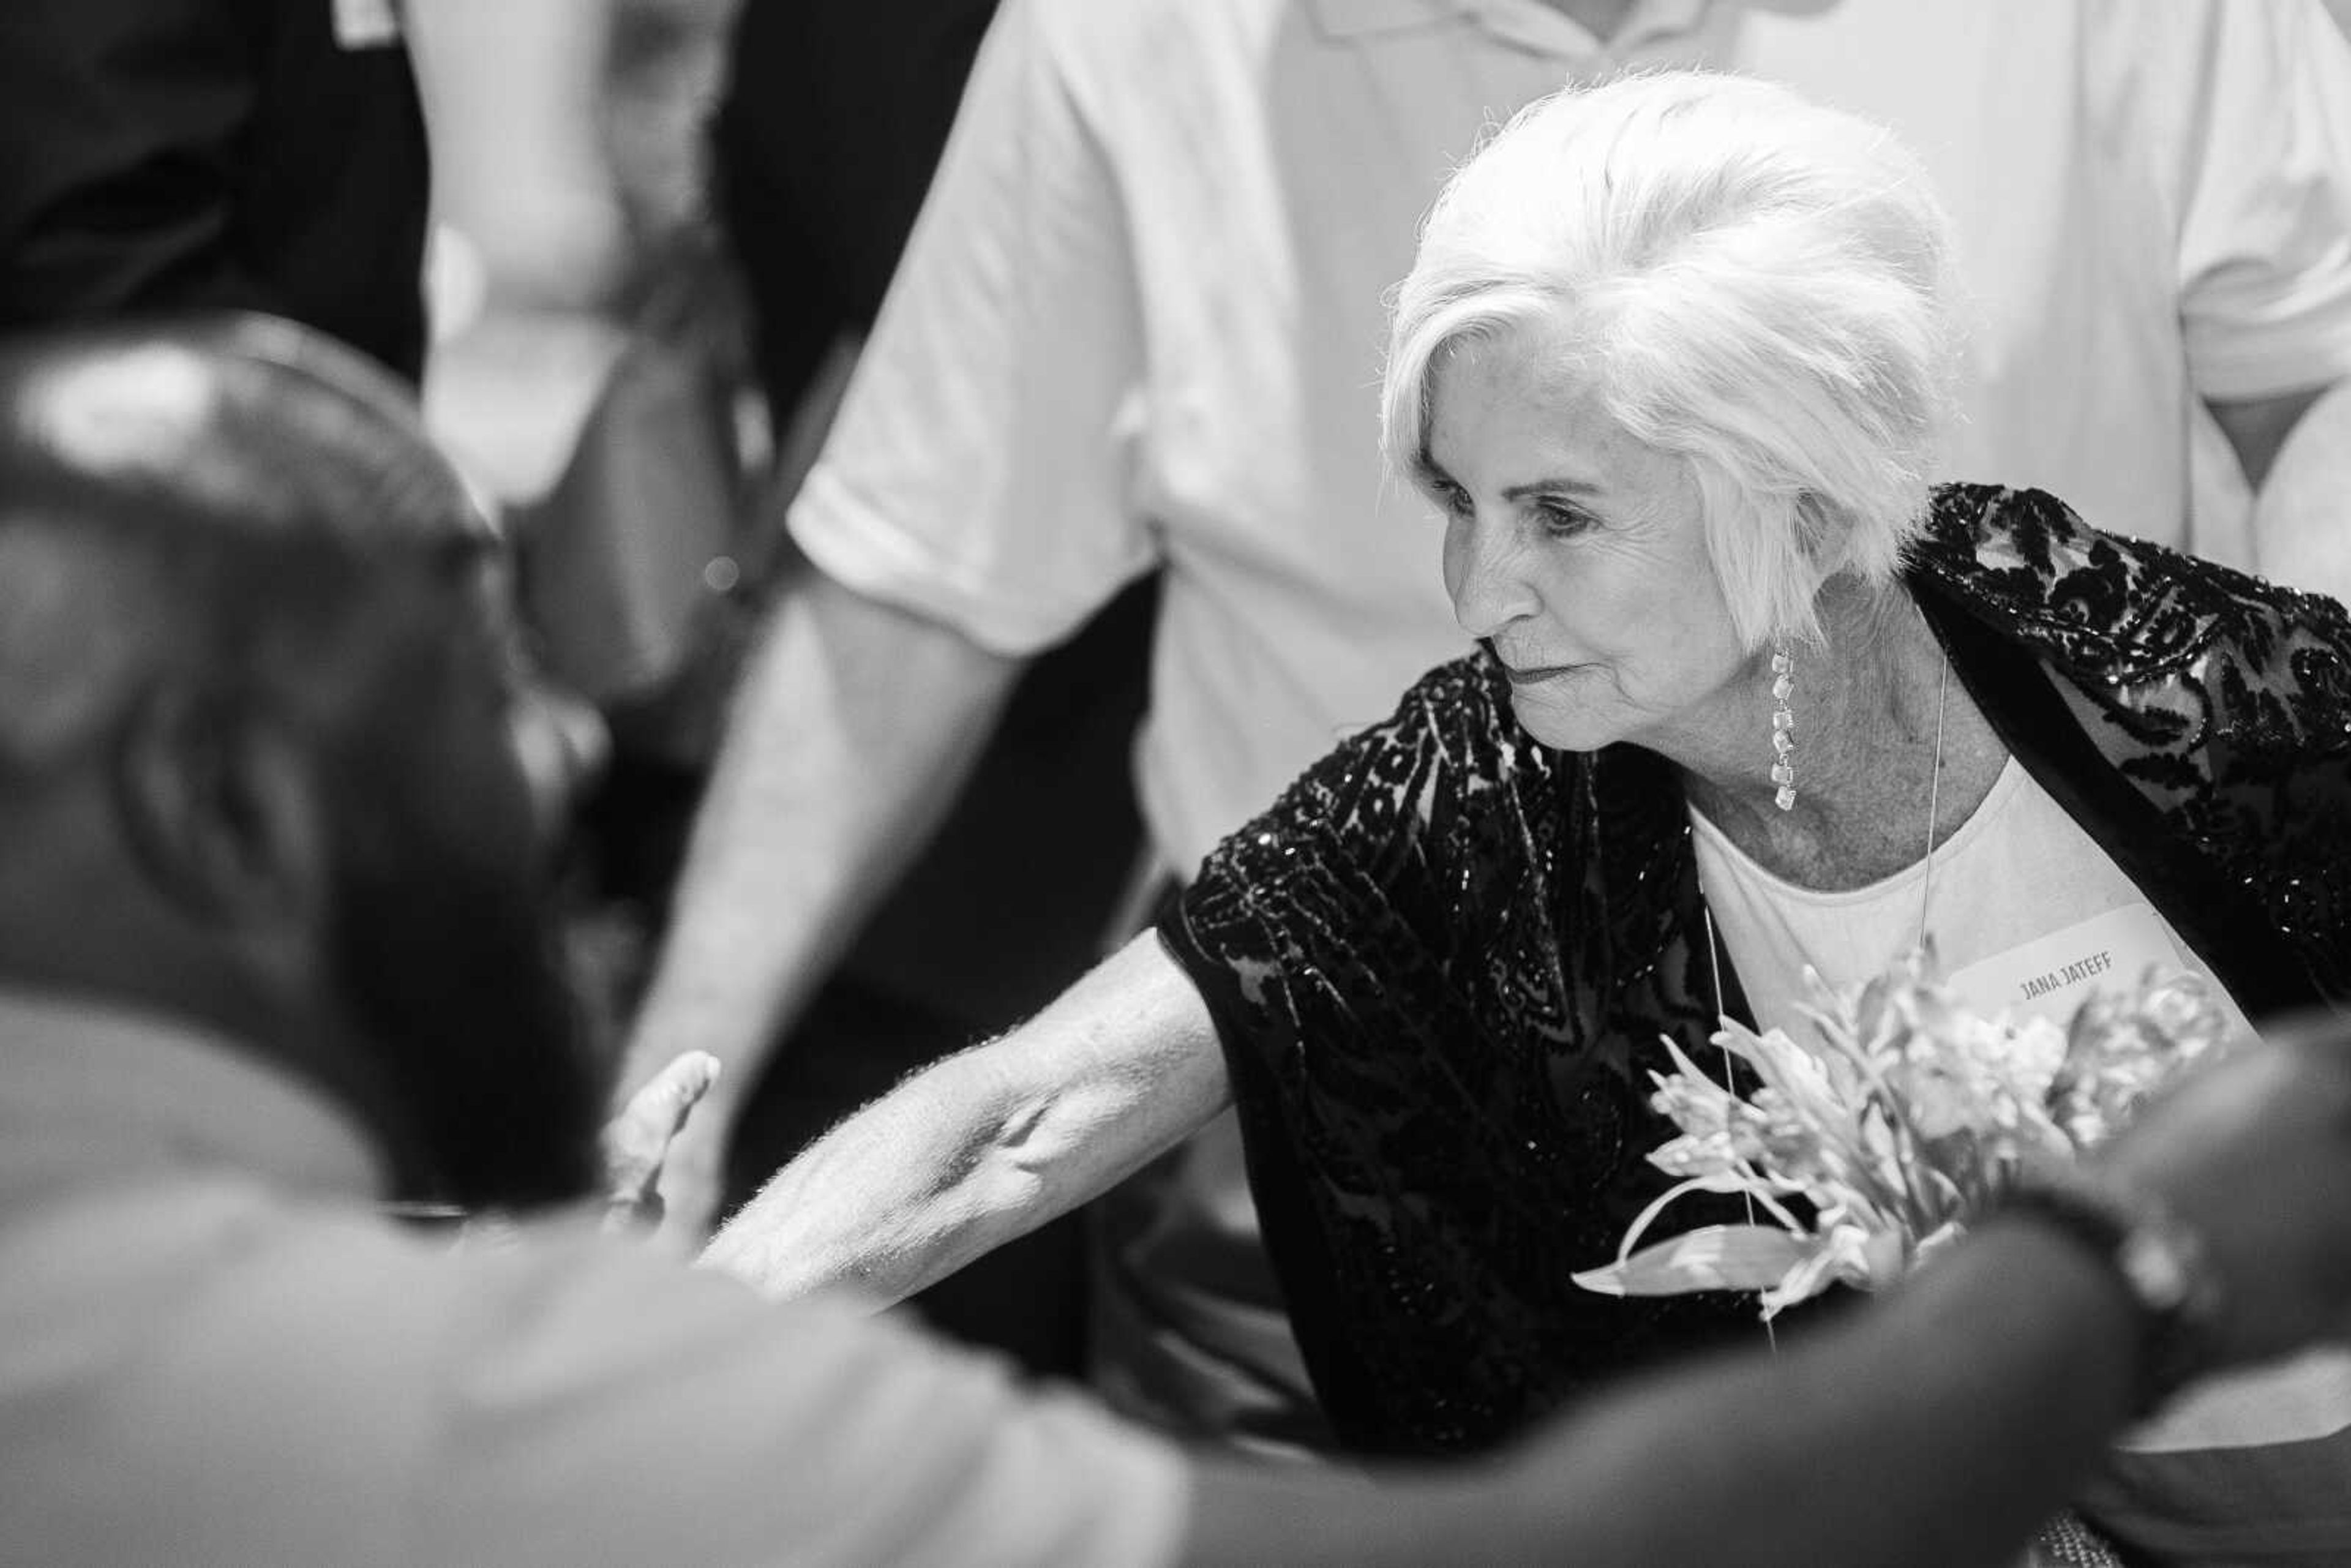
[(1749, 696)]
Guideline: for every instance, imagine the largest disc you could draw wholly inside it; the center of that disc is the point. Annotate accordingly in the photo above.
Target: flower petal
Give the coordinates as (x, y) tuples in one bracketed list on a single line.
[(1717, 1258)]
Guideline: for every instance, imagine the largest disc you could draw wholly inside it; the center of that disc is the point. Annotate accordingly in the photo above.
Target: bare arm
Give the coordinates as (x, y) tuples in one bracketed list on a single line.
[(511, 97), (2297, 451), (856, 725), (1939, 1428), (992, 1142)]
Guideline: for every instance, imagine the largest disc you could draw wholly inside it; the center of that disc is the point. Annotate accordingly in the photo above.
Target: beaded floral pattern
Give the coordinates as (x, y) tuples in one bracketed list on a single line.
[(1442, 963)]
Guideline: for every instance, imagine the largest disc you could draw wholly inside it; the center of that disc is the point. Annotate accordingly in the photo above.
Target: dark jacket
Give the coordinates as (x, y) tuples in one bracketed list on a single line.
[(189, 155)]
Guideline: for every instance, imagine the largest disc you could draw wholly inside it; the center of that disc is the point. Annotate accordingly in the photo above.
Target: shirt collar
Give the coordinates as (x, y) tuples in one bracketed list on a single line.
[(1524, 22), (82, 1083)]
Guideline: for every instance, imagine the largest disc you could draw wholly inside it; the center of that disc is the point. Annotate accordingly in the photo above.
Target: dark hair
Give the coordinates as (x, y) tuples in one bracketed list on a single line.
[(222, 493)]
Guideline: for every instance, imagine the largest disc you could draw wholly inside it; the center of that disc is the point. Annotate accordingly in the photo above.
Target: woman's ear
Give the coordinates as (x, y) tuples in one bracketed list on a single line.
[(1820, 535), (221, 801)]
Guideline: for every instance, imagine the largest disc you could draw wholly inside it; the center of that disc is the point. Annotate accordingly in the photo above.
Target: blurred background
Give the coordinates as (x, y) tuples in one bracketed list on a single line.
[(569, 143), (608, 175)]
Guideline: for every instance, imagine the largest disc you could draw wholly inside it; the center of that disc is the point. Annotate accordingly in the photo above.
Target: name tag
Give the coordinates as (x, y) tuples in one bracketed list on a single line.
[(367, 24), (2053, 976)]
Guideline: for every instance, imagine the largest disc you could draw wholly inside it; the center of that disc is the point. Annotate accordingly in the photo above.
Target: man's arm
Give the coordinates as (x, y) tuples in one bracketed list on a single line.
[(856, 725), (1938, 1426), (985, 469), (514, 95), (1941, 1426), (990, 1144)]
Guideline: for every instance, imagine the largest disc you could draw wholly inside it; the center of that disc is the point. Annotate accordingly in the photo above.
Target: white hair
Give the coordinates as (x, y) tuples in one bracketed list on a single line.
[(1757, 284)]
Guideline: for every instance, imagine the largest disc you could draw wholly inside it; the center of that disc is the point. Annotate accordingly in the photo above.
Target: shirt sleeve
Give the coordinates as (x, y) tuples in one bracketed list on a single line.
[(1336, 915), (607, 1407), (2264, 161), (982, 470)]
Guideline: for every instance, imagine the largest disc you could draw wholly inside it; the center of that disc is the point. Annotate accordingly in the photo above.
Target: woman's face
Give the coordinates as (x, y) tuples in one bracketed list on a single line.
[(1579, 556)]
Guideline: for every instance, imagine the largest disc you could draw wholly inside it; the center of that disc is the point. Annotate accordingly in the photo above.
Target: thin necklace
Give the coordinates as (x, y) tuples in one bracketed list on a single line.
[(1926, 886), (1933, 797)]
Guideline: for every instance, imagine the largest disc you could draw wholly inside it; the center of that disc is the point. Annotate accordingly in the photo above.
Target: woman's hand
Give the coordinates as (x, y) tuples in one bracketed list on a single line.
[(990, 1142)]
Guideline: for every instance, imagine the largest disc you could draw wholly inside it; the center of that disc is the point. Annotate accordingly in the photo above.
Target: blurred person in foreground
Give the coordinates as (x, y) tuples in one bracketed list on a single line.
[(276, 799), (1753, 701), (1139, 326)]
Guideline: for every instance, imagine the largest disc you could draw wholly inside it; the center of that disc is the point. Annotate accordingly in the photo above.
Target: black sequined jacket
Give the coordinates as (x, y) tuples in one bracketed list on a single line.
[(1441, 964)]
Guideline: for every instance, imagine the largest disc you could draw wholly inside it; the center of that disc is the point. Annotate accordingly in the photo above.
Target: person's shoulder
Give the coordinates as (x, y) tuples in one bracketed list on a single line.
[(2030, 554), (2112, 611)]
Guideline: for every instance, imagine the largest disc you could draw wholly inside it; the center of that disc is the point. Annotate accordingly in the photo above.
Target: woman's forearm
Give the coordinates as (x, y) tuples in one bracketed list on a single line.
[(990, 1142), (901, 1194)]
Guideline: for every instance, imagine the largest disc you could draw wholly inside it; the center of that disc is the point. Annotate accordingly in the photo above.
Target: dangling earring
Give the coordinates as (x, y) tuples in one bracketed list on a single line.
[(1783, 727)]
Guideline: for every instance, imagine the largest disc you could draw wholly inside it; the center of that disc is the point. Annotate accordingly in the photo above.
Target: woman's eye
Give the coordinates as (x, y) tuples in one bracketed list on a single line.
[(1455, 500), (1564, 520)]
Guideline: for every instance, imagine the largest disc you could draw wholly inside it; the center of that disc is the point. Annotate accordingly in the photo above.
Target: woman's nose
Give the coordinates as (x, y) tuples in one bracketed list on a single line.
[(1484, 578)]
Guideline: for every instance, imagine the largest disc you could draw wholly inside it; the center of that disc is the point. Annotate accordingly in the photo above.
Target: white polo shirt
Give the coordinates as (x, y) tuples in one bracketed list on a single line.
[(1141, 322)]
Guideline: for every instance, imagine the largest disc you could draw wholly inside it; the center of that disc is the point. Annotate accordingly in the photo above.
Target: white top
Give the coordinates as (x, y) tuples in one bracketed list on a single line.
[(212, 1351), (1141, 320), (2029, 915)]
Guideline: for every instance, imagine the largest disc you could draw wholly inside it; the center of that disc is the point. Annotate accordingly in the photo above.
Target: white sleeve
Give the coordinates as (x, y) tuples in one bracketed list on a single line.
[(982, 468), (617, 1409), (2264, 157)]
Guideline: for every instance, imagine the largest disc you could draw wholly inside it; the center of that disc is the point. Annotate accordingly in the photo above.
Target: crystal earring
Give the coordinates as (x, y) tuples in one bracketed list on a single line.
[(1783, 727)]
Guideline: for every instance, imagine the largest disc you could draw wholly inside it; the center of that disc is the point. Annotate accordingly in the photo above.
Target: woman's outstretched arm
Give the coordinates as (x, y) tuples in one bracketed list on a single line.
[(990, 1142)]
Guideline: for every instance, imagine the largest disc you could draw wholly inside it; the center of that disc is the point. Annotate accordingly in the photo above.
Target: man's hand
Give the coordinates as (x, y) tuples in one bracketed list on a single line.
[(646, 1135), (2255, 1155), (692, 1184)]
